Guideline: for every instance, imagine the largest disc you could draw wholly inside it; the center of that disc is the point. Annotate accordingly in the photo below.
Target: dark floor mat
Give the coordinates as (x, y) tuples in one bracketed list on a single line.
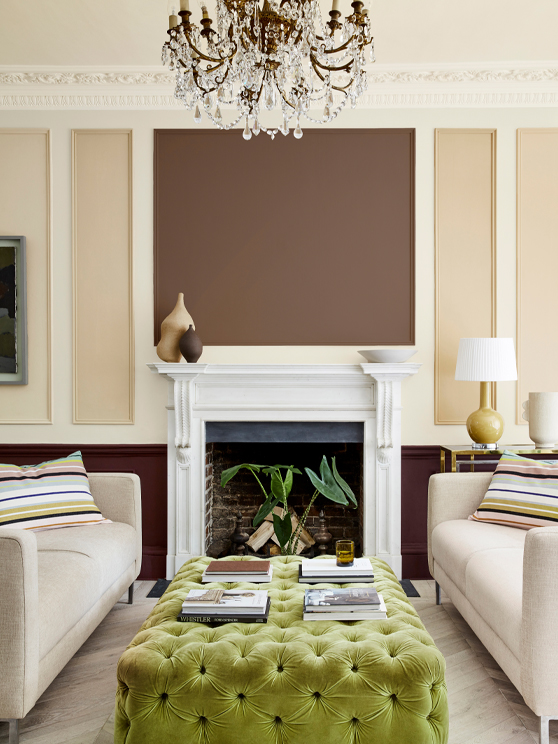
[(408, 588), (159, 589)]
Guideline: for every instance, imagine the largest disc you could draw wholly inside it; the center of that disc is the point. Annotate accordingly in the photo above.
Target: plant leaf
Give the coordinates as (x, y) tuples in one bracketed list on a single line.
[(226, 475), (278, 487), (267, 507), (329, 480), (343, 483), (288, 482), (324, 489), (283, 528), (272, 468)]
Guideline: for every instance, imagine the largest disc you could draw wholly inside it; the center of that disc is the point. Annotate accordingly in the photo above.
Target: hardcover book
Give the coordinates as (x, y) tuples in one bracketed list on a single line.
[(233, 602), (190, 616), (237, 567), (329, 567), (349, 599), (340, 578)]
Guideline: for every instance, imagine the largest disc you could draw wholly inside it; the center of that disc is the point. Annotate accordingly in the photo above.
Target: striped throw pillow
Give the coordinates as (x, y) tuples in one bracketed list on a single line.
[(52, 494), (522, 493)]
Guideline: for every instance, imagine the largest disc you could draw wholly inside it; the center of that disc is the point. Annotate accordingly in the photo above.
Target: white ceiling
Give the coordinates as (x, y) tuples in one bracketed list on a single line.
[(131, 32)]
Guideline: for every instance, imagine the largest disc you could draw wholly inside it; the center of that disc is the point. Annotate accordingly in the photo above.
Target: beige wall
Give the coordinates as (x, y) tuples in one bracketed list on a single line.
[(131, 32), (465, 244), (150, 418), (537, 262)]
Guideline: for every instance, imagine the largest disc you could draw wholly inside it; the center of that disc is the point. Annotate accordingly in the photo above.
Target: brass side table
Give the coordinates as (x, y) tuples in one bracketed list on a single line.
[(483, 456)]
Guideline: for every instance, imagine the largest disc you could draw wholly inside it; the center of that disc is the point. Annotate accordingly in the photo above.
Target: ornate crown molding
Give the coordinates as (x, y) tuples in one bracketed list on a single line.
[(509, 84)]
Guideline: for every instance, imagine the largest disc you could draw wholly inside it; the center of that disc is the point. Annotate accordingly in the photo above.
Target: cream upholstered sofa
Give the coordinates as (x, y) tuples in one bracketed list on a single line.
[(503, 581), (57, 585)]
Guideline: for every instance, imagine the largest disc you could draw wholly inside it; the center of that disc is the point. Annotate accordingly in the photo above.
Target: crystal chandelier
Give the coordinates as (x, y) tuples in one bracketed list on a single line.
[(269, 54)]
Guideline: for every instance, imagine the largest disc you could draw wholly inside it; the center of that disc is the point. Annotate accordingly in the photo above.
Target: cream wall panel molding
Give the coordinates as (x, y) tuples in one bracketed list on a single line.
[(518, 84), (537, 262), (465, 239), (102, 276), (25, 209)]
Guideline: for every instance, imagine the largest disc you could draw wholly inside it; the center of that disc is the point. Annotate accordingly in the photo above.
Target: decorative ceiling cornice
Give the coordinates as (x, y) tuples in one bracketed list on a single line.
[(86, 78), (402, 76), (509, 84)]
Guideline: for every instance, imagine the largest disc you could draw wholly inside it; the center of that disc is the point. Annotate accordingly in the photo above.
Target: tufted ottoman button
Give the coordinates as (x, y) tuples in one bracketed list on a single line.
[(202, 670), (241, 696), (354, 669), (164, 696), (317, 695), (278, 720), (279, 668)]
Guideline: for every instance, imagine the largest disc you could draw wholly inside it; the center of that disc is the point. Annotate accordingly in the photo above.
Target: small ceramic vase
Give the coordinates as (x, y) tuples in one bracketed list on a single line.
[(541, 411), (191, 346), (173, 328)]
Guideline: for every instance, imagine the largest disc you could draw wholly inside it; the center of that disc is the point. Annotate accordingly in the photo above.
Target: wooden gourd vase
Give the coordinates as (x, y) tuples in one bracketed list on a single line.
[(191, 346), (173, 328)]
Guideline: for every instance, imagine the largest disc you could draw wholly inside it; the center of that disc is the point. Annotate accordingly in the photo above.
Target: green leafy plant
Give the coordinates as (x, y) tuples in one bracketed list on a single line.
[(329, 483)]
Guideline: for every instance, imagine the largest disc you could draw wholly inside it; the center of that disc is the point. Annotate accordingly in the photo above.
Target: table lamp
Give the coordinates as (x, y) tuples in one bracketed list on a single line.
[(485, 360)]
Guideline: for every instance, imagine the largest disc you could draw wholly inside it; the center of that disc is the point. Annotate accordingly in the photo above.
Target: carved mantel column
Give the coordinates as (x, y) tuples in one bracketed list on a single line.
[(388, 396)]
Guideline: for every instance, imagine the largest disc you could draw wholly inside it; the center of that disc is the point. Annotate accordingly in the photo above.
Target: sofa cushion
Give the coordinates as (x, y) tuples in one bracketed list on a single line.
[(523, 493), (494, 586), (456, 541), (41, 497), (76, 567)]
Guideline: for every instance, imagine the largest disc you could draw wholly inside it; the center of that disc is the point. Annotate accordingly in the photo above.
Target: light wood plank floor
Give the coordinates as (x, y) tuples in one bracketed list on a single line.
[(485, 708)]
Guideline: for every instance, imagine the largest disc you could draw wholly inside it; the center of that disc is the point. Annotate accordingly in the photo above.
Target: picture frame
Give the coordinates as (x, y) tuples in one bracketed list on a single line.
[(13, 310)]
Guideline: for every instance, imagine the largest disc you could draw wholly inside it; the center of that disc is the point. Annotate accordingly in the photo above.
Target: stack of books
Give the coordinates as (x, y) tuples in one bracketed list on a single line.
[(327, 571), (358, 603), (254, 572), (225, 606)]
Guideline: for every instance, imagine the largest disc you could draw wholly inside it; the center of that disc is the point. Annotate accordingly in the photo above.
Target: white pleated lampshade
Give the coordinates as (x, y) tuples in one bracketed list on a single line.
[(486, 360)]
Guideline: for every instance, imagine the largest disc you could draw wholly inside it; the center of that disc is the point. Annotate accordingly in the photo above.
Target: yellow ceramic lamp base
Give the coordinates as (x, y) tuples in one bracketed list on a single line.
[(485, 426)]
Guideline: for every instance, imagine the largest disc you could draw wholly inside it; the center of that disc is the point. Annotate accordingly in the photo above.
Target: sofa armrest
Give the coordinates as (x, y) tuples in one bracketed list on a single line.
[(118, 496), (539, 636), (453, 496), (19, 624)]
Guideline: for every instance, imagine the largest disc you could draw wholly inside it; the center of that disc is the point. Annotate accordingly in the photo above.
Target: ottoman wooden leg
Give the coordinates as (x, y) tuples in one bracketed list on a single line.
[(438, 594), (131, 593)]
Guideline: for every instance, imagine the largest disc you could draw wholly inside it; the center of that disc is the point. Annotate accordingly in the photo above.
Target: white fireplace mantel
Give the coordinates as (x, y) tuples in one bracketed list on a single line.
[(367, 393)]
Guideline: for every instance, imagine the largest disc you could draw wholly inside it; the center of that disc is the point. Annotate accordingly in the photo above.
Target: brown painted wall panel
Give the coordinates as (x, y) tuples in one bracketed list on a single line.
[(285, 242)]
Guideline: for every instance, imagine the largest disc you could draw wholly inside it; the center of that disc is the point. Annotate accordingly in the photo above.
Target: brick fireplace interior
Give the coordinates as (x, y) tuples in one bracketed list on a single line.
[(243, 493)]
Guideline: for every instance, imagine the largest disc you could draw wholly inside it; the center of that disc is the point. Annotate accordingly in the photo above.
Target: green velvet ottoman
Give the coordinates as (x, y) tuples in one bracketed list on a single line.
[(284, 682)]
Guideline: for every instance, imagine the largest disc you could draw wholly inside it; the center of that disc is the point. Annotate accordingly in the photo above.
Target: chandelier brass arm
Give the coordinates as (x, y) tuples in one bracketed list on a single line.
[(264, 55)]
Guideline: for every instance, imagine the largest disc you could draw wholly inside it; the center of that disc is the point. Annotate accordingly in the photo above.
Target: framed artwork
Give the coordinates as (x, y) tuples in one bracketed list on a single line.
[(13, 307)]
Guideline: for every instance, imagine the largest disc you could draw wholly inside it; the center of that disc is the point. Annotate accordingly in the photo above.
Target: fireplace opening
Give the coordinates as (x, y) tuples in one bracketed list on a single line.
[(299, 444)]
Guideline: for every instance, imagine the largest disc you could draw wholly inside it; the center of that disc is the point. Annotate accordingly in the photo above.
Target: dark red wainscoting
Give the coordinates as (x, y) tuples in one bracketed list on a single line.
[(149, 461), (418, 463)]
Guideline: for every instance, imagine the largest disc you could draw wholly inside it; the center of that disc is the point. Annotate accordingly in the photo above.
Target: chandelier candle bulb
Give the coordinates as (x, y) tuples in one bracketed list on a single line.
[(335, 5), (184, 5), (205, 14), (173, 21)]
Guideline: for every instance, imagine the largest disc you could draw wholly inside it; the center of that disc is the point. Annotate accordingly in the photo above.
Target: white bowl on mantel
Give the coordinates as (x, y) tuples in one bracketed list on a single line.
[(387, 356)]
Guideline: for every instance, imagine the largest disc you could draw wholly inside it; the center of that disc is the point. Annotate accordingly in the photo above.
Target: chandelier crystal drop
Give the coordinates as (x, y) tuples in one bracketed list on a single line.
[(266, 55)]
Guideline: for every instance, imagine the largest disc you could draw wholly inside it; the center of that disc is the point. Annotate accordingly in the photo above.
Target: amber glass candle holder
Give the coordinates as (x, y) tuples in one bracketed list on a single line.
[(345, 552)]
